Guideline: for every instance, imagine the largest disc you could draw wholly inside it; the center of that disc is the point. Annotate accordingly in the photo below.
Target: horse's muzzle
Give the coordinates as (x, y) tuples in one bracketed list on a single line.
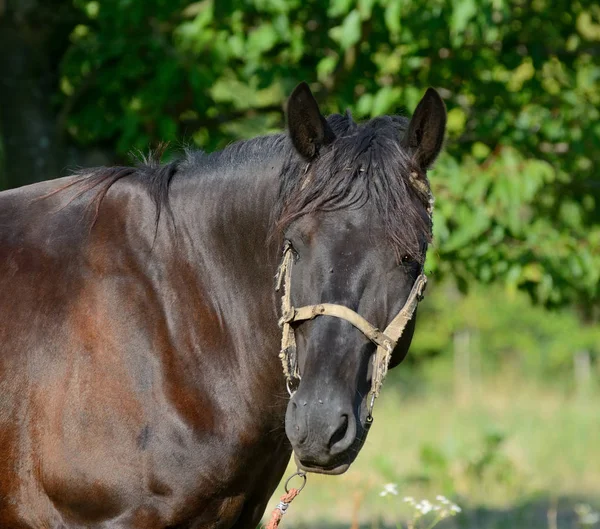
[(325, 435)]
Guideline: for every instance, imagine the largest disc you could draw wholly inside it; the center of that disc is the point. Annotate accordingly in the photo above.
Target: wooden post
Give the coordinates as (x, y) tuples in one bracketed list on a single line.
[(462, 366), (582, 367)]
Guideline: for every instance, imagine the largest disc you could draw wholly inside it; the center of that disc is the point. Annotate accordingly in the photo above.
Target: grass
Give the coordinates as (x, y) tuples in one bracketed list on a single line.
[(512, 455)]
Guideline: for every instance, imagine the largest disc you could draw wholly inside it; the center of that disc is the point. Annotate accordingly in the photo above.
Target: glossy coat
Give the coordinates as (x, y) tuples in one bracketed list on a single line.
[(140, 386)]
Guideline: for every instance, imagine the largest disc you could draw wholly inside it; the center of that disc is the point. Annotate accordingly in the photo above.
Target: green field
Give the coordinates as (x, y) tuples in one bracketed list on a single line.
[(512, 455)]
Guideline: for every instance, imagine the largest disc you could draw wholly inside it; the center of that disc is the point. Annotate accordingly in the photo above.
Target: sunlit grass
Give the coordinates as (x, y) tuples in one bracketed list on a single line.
[(513, 454)]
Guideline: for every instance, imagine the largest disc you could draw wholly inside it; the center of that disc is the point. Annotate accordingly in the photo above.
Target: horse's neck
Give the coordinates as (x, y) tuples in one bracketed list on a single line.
[(224, 216), (222, 222)]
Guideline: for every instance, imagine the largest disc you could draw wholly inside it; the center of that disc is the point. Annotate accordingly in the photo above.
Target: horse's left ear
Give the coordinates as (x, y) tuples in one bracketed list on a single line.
[(307, 127), (426, 129)]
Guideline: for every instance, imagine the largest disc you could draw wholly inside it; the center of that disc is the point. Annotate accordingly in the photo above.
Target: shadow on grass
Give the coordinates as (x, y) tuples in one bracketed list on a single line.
[(537, 513)]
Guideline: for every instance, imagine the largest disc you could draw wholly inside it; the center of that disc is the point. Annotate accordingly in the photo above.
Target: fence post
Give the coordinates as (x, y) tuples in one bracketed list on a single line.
[(462, 366), (582, 367)]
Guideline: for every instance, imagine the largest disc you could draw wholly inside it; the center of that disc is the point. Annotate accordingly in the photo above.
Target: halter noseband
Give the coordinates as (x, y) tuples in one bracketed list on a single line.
[(385, 341)]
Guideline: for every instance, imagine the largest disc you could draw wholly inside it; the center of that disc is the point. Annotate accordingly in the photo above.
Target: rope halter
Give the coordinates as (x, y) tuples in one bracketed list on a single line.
[(385, 341)]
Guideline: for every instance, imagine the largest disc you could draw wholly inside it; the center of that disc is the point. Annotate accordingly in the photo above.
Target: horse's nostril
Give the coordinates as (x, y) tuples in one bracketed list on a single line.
[(295, 423), (340, 432)]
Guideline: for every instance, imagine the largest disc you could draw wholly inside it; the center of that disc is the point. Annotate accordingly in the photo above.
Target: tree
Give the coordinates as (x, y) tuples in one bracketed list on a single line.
[(33, 38), (517, 195)]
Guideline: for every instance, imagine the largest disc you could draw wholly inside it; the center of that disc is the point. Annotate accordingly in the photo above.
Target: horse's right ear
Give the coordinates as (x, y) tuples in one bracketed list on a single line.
[(308, 129), (426, 129)]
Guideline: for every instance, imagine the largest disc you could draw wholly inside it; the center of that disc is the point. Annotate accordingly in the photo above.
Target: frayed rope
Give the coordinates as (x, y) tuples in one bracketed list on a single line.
[(281, 508)]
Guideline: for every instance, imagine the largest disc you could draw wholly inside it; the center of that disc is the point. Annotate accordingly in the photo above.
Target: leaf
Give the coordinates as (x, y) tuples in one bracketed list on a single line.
[(348, 34), (339, 7), (385, 100), (456, 121), (524, 72), (261, 39), (463, 11), (195, 8), (92, 9), (365, 8), (392, 17), (364, 105), (470, 224), (236, 45), (480, 150), (326, 66), (587, 27)]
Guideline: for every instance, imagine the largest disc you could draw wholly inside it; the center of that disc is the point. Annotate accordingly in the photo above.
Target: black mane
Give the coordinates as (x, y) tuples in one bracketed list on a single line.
[(366, 162)]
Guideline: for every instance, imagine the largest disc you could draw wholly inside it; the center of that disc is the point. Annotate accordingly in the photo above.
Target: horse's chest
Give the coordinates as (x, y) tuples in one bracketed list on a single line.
[(166, 475), (215, 480), (215, 513)]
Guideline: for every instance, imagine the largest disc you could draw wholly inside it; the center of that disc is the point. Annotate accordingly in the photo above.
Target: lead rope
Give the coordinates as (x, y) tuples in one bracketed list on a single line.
[(285, 500)]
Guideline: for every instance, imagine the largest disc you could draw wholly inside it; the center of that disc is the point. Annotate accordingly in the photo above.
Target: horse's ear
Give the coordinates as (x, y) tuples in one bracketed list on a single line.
[(307, 127), (426, 129)]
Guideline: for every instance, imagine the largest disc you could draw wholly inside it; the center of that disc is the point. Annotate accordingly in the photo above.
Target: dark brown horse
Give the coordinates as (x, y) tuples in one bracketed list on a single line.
[(140, 385)]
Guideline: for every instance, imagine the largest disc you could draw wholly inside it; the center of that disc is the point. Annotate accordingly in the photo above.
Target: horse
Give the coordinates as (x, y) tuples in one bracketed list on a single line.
[(140, 384)]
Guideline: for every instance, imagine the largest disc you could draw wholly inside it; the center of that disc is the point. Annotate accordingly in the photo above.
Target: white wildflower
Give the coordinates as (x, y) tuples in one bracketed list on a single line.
[(389, 488), (591, 518), (424, 507), (437, 510), (586, 515)]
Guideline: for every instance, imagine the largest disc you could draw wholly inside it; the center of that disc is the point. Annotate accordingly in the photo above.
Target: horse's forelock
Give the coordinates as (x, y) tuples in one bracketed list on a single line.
[(365, 163)]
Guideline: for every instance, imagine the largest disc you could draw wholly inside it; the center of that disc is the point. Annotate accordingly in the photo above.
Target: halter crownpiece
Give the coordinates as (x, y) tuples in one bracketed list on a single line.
[(385, 341)]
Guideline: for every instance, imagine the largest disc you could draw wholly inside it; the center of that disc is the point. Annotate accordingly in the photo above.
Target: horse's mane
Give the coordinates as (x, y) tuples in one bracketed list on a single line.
[(366, 162)]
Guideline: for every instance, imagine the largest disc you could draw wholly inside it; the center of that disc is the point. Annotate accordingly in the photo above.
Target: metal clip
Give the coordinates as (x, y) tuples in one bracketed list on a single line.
[(301, 474), (282, 506)]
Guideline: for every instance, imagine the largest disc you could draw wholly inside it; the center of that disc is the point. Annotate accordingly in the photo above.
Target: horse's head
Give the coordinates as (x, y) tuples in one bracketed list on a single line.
[(356, 218)]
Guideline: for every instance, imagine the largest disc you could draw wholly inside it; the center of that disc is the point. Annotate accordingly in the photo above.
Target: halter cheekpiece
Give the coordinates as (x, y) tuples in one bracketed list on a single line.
[(385, 341)]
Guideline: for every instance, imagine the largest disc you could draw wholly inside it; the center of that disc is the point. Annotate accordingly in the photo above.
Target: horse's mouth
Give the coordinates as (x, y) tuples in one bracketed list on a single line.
[(338, 467)]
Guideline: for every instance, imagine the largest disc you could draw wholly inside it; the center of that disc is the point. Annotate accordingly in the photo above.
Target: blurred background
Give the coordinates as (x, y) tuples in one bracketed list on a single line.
[(498, 405)]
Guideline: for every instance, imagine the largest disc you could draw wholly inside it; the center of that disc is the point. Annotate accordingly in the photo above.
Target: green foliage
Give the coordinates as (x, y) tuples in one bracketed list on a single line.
[(506, 330), (480, 465), (517, 196), (505, 218)]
